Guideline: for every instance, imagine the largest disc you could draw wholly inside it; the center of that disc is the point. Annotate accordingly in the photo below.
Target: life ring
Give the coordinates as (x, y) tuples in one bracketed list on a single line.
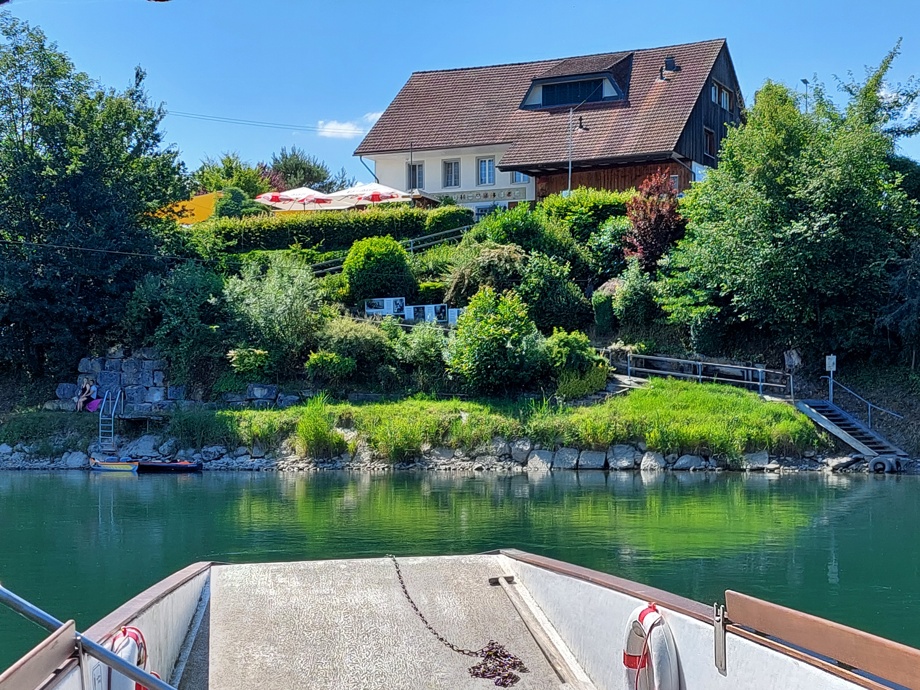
[(130, 645), (650, 657)]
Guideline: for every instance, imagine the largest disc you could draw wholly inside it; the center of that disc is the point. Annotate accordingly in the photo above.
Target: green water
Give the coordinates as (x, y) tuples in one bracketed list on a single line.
[(842, 547)]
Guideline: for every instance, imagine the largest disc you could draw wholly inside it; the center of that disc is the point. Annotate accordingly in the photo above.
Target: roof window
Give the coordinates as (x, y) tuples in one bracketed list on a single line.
[(571, 91)]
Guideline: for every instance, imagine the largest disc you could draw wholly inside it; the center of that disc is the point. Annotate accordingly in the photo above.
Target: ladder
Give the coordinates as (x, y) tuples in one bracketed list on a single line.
[(107, 412)]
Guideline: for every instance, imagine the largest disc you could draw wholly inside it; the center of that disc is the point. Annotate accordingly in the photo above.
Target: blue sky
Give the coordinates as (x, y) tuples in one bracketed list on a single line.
[(328, 67)]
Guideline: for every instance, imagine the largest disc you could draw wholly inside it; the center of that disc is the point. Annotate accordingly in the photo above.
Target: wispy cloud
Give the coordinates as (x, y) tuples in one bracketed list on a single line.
[(334, 129)]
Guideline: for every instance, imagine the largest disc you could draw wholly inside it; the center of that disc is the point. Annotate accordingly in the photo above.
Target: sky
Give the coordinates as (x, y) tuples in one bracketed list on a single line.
[(323, 71)]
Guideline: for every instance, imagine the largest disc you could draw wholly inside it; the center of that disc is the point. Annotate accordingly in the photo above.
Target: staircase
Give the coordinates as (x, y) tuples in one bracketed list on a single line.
[(108, 410), (848, 428)]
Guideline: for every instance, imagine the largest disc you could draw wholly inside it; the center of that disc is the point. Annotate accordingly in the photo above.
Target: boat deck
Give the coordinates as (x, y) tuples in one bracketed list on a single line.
[(347, 624)]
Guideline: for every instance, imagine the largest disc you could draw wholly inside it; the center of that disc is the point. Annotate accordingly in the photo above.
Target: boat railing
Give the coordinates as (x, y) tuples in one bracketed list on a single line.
[(64, 643)]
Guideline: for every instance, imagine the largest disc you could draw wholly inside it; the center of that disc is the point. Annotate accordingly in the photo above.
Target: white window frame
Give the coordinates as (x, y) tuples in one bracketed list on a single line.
[(421, 169), (675, 182), (444, 164), (479, 161), (515, 180)]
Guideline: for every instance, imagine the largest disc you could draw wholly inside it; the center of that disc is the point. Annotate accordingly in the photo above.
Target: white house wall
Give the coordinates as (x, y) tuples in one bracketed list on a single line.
[(393, 170)]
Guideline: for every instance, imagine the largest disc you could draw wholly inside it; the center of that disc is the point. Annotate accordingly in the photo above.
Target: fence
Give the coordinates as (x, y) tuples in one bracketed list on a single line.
[(754, 377)]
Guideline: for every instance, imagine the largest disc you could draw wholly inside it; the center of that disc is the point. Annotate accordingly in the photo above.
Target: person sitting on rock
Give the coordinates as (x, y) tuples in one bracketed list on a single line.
[(88, 393)]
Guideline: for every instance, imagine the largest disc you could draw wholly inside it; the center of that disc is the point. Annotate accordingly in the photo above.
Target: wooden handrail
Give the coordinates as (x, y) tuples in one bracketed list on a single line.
[(891, 661)]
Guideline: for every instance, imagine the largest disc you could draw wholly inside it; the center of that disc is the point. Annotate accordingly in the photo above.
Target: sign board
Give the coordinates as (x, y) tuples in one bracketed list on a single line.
[(830, 363)]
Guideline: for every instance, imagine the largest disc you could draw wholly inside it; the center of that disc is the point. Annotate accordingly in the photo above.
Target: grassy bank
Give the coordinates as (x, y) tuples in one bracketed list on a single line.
[(670, 416)]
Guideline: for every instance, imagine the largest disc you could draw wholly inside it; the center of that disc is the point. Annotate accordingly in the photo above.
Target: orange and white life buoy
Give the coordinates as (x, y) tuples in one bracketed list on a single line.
[(130, 645), (650, 656)]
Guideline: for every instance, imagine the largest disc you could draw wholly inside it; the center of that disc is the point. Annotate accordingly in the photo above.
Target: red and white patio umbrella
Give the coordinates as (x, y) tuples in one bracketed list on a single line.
[(287, 197), (373, 193)]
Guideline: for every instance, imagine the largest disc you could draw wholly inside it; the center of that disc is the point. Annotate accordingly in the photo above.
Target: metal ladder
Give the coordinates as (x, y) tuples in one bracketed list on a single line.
[(107, 412)]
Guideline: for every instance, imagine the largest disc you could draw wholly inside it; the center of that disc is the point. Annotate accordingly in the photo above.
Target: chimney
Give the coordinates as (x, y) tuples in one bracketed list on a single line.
[(670, 64)]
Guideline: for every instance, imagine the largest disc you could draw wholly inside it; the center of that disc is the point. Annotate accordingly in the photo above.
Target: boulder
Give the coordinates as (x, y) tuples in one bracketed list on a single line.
[(285, 401), (652, 462), (440, 455), (145, 378), (233, 398), (755, 461), (258, 451), (592, 460), (520, 449), (540, 461), (689, 462), (212, 453), (169, 447), (75, 460), (135, 394), (261, 391), (566, 459), (841, 463), (109, 380), (499, 447), (66, 391), (113, 364), (622, 457), (155, 395), (144, 447), (175, 392), (85, 366), (5, 449), (159, 378), (60, 406), (116, 352), (153, 365), (164, 406), (96, 365), (130, 366)]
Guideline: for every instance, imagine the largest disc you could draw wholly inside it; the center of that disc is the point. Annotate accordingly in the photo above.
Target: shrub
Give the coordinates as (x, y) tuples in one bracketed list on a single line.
[(573, 384), (364, 343), (421, 351), (329, 368), (434, 263), (605, 247), (552, 298), (655, 223), (234, 203), (496, 346), (315, 435), (634, 301), (585, 210), (571, 352), (334, 287), (431, 292), (499, 266), (249, 361), (602, 302), (378, 267), (446, 218)]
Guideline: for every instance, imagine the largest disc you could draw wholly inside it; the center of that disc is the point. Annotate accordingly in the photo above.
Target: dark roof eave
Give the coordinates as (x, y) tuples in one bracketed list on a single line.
[(360, 151), (590, 162)]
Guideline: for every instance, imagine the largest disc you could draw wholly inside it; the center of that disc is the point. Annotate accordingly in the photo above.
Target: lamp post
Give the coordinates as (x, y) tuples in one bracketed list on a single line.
[(806, 82), (572, 129)]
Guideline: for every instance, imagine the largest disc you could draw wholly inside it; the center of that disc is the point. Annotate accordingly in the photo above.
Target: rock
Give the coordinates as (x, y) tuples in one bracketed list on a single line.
[(155, 395), (261, 391), (258, 451), (622, 457), (145, 378), (211, 453), (233, 398), (159, 378), (147, 353), (130, 366), (755, 461), (773, 466), (60, 406), (689, 462), (109, 380), (96, 365), (175, 392), (592, 460), (520, 449), (113, 365), (169, 447), (653, 462), (841, 463), (116, 352), (66, 391), (440, 455), (85, 366), (75, 460), (139, 408), (642, 446), (285, 401), (144, 447), (671, 458), (164, 406), (135, 394), (809, 454), (499, 447), (5, 449), (566, 459), (540, 461), (153, 365)]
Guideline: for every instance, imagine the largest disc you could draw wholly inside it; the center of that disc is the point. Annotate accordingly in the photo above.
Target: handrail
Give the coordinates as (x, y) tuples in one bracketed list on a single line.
[(756, 380), (93, 649), (869, 405)]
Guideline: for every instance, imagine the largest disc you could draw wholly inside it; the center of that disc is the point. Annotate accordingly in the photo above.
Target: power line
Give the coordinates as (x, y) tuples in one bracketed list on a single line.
[(68, 247), (267, 125)]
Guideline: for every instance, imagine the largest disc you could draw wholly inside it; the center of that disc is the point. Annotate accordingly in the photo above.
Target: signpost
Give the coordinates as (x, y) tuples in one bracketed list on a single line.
[(830, 363)]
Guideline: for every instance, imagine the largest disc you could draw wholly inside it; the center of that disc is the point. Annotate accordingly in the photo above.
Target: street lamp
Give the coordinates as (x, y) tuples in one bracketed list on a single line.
[(806, 82), (572, 128)]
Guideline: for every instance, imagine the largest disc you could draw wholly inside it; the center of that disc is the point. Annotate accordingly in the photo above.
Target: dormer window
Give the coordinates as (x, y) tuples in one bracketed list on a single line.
[(572, 91)]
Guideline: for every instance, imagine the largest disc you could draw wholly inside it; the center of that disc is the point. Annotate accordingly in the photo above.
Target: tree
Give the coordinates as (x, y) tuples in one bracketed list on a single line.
[(231, 171), (902, 314), (655, 224), (552, 299), (378, 267), (234, 204), (496, 347), (295, 168), (790, 236), (500, 266), (84, 172)]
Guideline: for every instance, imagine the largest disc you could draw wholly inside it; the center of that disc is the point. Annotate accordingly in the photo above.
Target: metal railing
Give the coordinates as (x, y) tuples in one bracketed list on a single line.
[(748, 375), (412, 245), (107, 413), (834, 383), (93, 649)]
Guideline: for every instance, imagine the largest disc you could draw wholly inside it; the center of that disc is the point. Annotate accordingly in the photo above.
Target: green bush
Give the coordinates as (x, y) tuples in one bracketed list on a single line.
[(585, 210), (431, 292), (315, 435), (378, 267), (446, 218), (249, 362), (573, 385), (496, 346), (334, 287), (499, 266), (434, 263), (605, 247), (421, 352), (553, 299), (329, 368), (571, 352), (634, 301), (604, 319), (234, 203), (364, 343)]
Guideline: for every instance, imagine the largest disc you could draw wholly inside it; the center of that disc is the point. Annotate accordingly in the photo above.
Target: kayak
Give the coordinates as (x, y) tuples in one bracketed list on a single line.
[(113, 465), (178, 467)]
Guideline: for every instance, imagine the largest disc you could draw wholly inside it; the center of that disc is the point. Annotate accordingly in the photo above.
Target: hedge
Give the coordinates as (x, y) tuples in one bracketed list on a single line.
[(325, 230), (585, 209)]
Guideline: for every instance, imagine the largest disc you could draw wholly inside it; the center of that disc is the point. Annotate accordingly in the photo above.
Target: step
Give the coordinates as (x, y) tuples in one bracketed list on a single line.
[(847, 428)]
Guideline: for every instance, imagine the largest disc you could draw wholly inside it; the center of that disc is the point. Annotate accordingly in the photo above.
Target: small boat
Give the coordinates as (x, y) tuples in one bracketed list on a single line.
[(113, 464), (163, 467), (505, 618)]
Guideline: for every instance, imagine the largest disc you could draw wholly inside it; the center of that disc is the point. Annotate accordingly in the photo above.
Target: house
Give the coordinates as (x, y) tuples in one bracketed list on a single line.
[(500, 135)]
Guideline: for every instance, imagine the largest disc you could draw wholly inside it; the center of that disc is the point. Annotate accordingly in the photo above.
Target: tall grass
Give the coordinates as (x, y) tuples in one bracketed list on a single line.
[(315, 435)]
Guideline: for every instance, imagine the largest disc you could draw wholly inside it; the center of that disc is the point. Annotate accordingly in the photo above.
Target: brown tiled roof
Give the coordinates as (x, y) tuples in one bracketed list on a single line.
[(480, 106)]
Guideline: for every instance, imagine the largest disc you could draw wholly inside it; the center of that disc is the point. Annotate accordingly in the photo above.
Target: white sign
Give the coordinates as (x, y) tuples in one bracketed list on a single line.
[(830, 363)]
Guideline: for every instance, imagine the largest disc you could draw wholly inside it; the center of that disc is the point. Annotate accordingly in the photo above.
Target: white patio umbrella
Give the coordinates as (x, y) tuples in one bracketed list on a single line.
[(299, 199), (373, 193)]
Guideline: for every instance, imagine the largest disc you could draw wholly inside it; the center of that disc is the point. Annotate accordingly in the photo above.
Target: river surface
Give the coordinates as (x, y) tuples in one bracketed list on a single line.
[(843, 547)]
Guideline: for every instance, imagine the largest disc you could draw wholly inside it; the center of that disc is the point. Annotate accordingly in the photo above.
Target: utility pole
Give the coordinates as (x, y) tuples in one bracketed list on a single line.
[(806, 82)]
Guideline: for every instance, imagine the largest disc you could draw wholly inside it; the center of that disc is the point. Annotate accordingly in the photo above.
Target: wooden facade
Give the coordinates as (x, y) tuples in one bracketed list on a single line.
[(615, 178)]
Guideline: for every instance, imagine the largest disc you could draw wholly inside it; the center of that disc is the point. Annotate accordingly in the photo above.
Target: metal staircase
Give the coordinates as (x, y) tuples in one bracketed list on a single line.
[(854, 432), (108, 410)]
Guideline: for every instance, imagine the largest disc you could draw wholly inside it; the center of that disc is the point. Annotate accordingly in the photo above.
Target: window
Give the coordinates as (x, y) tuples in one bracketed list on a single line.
[(451, 174), (573, 92), (675, 182), (486, 171), (710, 149), (726, 99), (519, 178), (714, 93), (416, 177), (722, 96)]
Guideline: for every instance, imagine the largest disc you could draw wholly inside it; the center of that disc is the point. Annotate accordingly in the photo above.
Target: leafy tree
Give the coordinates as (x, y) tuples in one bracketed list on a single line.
[(605, 247), (421, 352), (552, 299), (81, 166), (902, 314), (378, 267), (364, 343), (231, 171), (634, 301), (655, 224), (496, 347), (296, 168), (789, 237), (234, 204), (909, 169), (500, 266)]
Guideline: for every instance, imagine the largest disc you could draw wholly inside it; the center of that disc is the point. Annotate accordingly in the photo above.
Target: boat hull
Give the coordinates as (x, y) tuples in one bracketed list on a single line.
[(168, 467), (120, 466)]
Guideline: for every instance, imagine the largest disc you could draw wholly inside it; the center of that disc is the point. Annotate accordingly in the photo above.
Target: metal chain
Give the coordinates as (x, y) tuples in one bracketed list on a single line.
[(497, 662)]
